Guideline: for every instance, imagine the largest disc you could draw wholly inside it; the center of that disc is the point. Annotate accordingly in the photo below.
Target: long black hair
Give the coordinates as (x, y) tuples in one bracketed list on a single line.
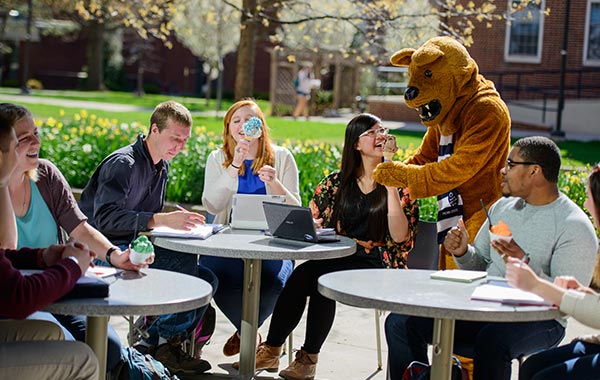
[(349, 192)]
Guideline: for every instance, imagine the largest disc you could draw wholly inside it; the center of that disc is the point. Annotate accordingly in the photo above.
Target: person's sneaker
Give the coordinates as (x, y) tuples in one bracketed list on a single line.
[(178, 361)]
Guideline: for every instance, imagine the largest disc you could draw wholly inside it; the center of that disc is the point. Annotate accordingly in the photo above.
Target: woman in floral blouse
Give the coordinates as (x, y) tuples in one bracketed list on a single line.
[(382, 221)]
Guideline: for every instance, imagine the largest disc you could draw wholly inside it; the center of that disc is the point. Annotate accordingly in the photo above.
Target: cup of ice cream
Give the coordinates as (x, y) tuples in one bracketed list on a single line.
[(389, 147), (252, 128), (500, 231), (141, 250)]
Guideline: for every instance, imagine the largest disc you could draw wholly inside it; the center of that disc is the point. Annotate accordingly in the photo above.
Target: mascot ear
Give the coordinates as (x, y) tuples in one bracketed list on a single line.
[(402, 57), (427, 54)]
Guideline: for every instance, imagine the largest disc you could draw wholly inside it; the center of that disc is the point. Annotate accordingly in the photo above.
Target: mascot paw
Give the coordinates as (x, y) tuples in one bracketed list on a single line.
[(391, 174)]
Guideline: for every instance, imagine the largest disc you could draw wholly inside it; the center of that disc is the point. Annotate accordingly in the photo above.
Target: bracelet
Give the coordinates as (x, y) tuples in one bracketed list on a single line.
[(110, 250), (236, 167)]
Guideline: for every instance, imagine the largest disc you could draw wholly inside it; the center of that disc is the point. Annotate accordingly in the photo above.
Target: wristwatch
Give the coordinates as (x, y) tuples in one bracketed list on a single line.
[(110, 250)]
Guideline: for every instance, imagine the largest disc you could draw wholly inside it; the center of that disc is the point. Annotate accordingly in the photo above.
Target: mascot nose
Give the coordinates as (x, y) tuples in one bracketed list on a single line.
[(411, 93)]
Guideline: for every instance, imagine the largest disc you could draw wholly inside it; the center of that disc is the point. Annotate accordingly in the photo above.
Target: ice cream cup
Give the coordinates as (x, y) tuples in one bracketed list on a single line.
[(139, 258), (505, 238), (387, 157)]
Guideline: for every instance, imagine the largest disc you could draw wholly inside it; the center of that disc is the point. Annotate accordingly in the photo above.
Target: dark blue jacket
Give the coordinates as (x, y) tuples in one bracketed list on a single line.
[(126, 187)]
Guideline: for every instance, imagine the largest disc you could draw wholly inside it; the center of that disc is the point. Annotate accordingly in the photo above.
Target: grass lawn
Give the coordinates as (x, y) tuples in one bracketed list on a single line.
[(575, 153)]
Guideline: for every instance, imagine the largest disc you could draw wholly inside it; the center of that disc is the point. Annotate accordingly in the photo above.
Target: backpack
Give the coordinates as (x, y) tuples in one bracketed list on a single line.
[(421, 371), (137, 366)]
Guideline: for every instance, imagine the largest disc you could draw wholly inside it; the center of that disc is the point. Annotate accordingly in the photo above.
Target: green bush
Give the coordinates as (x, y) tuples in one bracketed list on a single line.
[(78, 144)]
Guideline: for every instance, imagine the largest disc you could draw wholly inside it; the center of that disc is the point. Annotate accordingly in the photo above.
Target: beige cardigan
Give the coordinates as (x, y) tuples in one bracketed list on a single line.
[(219, 186)]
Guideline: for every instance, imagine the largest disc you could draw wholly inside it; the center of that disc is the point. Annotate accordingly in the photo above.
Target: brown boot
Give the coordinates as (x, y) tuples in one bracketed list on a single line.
[(267, 358), (302, 368)]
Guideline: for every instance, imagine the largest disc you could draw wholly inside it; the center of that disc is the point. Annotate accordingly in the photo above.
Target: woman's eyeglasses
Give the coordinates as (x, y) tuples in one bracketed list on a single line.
[(510, 163), (374, 132)]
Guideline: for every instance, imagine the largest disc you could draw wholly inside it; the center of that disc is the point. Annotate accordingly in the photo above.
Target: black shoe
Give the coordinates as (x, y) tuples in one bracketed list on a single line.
[(178, 361)]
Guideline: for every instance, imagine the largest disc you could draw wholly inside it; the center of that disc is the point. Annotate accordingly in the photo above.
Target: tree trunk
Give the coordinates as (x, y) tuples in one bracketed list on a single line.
[(244, 72), (95, 56)]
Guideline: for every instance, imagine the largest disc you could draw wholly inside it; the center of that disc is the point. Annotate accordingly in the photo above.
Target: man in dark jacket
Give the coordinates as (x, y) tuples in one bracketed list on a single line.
[(126, 195)]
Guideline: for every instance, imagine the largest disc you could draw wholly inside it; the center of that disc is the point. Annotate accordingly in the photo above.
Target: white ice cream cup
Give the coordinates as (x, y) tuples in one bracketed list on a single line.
[(138, 258), (494, 236)]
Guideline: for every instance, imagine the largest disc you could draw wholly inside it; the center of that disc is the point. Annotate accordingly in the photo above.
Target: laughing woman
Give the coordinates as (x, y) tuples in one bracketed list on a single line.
[(44, 204), (382, 220)]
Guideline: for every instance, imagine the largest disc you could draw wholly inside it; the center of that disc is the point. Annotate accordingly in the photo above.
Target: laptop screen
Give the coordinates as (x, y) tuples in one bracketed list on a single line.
[(293, 222), (247, 211)]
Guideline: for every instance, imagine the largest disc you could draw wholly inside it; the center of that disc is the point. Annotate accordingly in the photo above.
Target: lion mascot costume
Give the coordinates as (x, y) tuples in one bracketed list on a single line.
[(467, 139)]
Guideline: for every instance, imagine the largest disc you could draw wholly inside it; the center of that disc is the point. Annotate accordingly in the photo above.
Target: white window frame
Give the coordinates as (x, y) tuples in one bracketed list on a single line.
[(536, 59), (588, 16)]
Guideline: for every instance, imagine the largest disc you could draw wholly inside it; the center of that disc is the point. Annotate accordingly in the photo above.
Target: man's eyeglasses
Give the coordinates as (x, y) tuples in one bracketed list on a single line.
[(510, 163), (374, 132)]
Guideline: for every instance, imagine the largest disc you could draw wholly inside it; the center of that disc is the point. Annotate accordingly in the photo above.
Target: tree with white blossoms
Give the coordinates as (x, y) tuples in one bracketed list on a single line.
[(210, 29), (367, 30)]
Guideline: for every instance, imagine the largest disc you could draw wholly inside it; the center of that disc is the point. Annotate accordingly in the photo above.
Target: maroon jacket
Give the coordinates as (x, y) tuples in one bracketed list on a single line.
[(22, 295)]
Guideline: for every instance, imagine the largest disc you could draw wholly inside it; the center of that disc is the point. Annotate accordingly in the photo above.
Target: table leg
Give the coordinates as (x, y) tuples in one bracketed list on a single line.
[(250, 299), (96, 336), (443, 338)]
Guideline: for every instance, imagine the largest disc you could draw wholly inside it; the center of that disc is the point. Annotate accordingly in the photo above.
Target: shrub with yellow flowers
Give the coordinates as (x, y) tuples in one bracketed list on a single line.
[(78, 144)]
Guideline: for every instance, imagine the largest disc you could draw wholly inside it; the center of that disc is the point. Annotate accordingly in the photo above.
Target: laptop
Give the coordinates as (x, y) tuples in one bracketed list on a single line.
[(295, 223), (247, 210)]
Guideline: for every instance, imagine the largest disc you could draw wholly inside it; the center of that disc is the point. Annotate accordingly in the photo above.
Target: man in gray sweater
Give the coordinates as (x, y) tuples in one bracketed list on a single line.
[(549, 231)]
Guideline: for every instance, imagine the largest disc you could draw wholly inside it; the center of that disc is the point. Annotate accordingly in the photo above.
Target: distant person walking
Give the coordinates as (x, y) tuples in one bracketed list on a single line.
[(303, 84)]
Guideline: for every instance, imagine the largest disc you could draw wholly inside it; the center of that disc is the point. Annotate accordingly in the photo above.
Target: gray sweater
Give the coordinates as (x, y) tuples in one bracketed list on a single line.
[(558, 237)]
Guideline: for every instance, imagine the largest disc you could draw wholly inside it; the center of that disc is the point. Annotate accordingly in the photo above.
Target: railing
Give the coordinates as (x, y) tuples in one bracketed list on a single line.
[(519, 86)]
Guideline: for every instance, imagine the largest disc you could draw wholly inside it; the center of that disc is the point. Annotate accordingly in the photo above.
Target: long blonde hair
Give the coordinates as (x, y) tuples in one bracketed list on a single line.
[(265, 154)]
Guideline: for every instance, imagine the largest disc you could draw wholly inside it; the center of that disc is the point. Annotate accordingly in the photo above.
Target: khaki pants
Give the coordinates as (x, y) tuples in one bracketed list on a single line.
[(32, 349)]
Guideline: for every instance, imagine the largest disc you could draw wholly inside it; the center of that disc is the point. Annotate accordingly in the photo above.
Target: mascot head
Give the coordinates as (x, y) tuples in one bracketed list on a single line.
[(441, 71)]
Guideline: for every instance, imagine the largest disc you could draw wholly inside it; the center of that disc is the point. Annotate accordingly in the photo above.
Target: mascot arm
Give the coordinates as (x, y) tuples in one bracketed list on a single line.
[(394, 173), (428, 150), (477, 147)]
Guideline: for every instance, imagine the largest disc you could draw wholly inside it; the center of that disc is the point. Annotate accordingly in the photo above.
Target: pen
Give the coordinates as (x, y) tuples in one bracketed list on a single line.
[(181, 208)]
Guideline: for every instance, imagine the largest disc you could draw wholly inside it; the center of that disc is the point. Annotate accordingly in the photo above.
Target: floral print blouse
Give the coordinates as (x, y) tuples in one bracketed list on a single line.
[(392, 254)]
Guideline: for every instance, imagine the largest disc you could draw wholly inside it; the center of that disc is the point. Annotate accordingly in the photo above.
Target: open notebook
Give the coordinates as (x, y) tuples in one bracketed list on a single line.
[(500, 291), (199, 232)]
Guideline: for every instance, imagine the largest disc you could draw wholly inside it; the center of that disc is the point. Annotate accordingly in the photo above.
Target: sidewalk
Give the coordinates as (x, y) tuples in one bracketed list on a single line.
[(348, 354)]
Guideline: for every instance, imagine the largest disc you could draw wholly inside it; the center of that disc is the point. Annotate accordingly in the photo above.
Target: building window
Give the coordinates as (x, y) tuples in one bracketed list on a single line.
[(591, 51), (524, 32)]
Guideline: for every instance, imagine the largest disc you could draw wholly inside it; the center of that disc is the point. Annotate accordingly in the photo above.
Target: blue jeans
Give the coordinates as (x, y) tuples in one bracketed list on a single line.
[(575, 361), (491, 345), (179, 325), (76, 324), (230, 273)]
